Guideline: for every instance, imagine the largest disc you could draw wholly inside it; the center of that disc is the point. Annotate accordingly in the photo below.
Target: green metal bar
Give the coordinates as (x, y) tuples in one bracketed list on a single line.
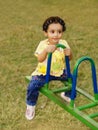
[(63, 89), (93, 115), (87, 106), (96, 96), (28, 78), (84, 118), (67, 87), (60, 45), (75, 74), (74, 111), (85, 94)]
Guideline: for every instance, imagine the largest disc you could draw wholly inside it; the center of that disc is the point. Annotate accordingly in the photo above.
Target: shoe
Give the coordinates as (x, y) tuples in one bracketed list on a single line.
[(66, 98), (30, 112)]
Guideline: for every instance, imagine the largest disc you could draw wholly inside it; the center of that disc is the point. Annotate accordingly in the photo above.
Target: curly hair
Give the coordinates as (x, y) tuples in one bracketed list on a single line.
[(53, 19)]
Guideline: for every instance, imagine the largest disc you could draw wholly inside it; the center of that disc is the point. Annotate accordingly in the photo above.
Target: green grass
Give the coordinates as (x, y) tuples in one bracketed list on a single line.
[(20, 32)]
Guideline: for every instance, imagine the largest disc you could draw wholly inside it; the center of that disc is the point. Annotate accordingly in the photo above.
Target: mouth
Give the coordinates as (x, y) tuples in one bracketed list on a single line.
[(55, 39)]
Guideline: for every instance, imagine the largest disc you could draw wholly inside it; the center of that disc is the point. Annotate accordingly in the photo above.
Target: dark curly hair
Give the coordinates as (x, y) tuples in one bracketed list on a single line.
[(53, 19)]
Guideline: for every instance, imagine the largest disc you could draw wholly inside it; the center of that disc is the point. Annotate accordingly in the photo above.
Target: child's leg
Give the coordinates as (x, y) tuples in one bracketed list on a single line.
[(65, 95), (33, 89), (32, 95)]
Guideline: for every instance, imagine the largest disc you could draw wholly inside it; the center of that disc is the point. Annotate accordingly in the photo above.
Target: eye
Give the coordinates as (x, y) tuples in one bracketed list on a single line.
[(59, 31), (52, 31)]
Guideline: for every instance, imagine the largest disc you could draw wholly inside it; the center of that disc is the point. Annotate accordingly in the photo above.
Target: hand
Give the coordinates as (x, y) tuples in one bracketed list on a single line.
[(50, 48), (67, 51)]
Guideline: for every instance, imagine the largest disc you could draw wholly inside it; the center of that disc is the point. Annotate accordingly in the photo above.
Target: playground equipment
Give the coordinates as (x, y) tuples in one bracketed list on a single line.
[(78, 112)]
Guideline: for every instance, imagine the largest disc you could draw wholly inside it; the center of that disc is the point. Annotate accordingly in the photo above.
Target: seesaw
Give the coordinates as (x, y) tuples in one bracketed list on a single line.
[(78, 112)]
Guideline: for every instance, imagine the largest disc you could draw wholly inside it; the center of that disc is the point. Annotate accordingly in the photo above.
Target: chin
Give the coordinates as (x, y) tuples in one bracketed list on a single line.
[(56, 42)]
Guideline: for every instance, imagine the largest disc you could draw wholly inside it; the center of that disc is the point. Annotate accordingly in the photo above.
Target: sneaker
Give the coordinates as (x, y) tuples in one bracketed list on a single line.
[(30, 112), (66, 98)]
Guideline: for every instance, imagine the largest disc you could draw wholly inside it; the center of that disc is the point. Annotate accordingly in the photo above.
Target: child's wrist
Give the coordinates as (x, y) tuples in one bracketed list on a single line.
[(45, 51)]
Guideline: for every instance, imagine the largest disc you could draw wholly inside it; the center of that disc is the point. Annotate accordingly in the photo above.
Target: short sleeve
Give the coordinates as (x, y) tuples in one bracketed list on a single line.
[(42, 45), (64, 43)]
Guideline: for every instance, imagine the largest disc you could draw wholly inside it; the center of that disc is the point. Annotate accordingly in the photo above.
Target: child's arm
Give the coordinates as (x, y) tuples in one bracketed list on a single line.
[(43, 55), (68, 52)]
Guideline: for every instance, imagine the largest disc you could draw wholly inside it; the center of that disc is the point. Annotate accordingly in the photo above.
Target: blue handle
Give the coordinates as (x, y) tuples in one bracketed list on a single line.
[(48, 67), (67, 66), (49, 64)]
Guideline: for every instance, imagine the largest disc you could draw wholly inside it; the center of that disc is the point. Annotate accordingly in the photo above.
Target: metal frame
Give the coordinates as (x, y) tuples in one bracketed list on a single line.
[(77, 112)]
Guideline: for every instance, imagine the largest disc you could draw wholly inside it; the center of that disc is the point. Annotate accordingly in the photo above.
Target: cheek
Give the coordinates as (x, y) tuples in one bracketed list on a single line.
[(60, 35), (50, 35)]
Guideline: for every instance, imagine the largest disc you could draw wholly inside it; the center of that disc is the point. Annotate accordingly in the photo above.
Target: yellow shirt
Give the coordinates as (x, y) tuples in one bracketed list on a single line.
[(58, 59)]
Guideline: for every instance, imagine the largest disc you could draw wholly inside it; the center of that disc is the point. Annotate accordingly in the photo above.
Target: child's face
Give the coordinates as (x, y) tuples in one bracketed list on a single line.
[(54, 33)]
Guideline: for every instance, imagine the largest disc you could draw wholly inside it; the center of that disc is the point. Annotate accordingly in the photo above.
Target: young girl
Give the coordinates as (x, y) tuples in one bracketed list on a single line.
[(53, 28)]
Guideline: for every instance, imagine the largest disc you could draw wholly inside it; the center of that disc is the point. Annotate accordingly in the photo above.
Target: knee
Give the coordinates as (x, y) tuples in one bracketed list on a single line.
[(34, 85), (31, 86)]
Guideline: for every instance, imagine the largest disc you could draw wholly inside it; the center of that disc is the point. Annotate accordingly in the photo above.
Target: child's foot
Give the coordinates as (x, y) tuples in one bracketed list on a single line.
[(30, 112), (66, 98)]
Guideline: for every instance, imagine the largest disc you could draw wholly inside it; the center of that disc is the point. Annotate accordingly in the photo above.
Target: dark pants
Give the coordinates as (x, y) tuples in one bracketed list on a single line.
[(36, 83)]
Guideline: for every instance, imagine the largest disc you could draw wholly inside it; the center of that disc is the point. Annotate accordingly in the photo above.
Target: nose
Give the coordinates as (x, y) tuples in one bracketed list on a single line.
[(55, 34)]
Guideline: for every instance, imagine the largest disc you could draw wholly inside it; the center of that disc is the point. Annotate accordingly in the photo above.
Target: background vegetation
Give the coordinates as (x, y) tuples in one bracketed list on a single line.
[(20, 32)]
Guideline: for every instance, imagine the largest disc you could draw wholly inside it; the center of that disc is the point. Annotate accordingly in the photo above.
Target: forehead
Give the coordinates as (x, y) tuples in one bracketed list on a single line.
[(55, 26)]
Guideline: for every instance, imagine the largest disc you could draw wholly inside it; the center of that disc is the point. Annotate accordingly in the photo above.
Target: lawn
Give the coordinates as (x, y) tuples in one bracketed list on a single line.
[(20, 33)]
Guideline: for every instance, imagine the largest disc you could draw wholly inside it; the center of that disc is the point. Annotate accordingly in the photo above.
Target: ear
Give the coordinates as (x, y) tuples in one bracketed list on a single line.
[(45, 33)]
